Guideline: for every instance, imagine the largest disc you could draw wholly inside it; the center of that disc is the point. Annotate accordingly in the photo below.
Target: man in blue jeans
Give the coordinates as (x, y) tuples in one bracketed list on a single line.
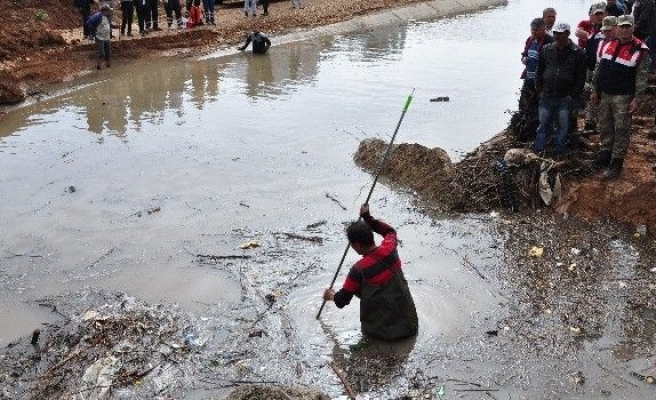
[(559, 81)]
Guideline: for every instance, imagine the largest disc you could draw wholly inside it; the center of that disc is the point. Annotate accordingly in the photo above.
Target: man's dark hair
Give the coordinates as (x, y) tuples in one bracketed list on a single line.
[(359, 232), (537, 23)]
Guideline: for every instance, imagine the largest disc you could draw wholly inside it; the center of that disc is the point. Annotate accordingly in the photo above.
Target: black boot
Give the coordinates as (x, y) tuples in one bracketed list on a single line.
[(614, 168), (601, 160)]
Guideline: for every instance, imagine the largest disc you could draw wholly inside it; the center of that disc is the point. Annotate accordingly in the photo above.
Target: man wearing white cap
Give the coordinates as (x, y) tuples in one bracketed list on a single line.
[(620, 80), (559, 80)]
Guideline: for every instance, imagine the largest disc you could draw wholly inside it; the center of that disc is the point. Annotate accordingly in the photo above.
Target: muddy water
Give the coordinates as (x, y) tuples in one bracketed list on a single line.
[(120, 184)]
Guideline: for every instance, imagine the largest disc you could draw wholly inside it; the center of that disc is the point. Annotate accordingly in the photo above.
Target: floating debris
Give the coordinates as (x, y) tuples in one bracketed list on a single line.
[(251, 244)]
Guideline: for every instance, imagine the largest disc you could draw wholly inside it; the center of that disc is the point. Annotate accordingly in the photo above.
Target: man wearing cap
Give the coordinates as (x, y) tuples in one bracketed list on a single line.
[(588, 28), (619, 82), (559, 81), (528, 101), (609, 32), (593, 54)]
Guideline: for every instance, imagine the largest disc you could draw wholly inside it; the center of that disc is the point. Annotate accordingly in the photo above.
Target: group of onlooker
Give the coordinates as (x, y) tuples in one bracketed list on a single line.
[(605, 73), (147, 12), (98, 27)]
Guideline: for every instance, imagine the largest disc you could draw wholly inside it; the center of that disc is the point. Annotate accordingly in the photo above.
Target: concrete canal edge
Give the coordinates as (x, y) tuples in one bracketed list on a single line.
[(401, 15), (429, 9)]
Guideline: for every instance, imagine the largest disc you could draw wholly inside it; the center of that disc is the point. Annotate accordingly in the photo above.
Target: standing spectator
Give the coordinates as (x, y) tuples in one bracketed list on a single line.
[(127, 9), (84, 6), (645, 27), (588, 28), (265, 7), (528, 101), (250, 7), (629, 6), (297, 4), (549, 17), (614, 8), (171, 7), (195, 13), (152, 15), (559, 81), (101, 27), (619, 83), (592, 49), (141, 6), (208, 6)]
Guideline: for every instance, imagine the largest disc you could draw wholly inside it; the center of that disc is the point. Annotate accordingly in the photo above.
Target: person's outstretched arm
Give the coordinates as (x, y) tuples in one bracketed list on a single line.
[(248, 41)]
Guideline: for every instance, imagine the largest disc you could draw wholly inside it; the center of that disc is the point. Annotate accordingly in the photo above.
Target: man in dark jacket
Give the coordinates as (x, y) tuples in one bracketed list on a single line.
[(614, 8), (387, 310), (84, 6), (261, 43), (559, 81), (645, 28)]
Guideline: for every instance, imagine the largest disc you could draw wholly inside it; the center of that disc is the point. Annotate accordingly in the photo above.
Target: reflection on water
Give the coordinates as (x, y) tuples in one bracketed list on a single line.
[(155, 92)]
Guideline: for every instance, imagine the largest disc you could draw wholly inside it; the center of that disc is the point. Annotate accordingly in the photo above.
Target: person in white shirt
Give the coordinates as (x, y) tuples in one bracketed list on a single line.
[(100, 25)]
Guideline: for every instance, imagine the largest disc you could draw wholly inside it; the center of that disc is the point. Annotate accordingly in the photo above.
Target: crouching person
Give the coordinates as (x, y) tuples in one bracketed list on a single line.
[(100, 26), (620, 80), (261, 43), (387, 310)]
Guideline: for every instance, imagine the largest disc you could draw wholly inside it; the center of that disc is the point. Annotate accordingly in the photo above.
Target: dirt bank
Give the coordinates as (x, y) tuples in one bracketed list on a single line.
[(40, 41), (479, 183)]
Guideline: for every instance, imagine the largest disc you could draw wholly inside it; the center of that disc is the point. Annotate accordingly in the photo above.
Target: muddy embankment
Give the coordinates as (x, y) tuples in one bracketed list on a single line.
[(40, 40), (480, 183)]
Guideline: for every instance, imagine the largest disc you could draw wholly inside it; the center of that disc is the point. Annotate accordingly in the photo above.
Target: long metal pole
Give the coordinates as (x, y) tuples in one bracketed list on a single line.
[(371, 191)]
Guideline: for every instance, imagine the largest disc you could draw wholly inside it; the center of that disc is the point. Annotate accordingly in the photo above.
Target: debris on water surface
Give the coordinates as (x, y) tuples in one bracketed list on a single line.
[(536, 251), (269, 392), (577, 378), (250, 244), (109, 347)]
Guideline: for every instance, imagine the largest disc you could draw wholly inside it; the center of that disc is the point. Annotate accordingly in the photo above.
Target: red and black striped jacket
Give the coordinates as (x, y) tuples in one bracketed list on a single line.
[(375, 268)]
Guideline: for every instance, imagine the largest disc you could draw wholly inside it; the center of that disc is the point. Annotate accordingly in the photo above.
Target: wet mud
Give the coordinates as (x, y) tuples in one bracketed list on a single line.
[(570, 314)]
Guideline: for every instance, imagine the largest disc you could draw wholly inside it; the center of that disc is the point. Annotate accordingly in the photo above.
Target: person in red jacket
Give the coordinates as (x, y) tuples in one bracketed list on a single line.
[(387, 310)]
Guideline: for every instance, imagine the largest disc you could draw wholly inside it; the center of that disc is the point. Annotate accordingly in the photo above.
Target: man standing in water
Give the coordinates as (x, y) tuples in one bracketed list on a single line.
[(261, 43), (387, 310)]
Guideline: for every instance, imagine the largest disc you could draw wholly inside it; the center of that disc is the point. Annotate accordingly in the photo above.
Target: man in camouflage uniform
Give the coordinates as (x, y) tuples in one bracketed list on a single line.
[(607, 32), (619, 80)]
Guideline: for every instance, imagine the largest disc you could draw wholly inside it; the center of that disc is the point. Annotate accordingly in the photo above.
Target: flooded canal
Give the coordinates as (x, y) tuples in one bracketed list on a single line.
[(123, 183)]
